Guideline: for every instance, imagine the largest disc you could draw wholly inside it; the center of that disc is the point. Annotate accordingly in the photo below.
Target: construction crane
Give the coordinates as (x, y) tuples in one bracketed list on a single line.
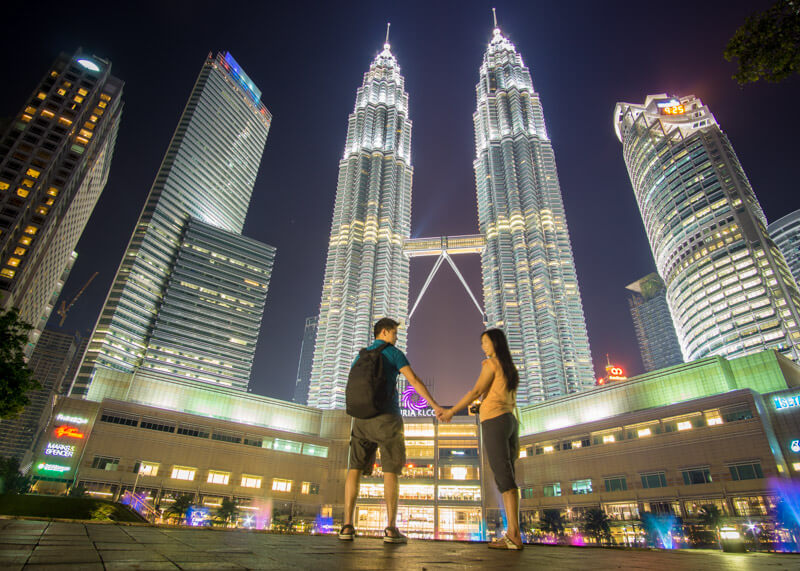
[(62, 311)]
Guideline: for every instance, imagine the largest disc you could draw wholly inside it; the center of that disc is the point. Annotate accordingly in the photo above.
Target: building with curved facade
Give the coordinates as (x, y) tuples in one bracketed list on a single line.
[(728, 287), (786, 233), (530, 285), (366, 272)]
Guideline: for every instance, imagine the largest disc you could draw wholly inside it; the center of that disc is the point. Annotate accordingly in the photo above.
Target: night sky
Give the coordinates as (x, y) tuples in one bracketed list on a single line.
[(309, 58)]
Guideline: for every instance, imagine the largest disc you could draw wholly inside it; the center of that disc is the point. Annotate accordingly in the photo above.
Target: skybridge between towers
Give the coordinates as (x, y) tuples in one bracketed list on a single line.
[(444, 247)]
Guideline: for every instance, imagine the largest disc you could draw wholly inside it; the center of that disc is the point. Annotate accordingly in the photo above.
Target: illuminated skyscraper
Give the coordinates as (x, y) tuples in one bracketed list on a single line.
[(786, 234), (658, 342), (306, 361), (55, 158), (366, 273), (187, 299), (530, 287), (728, 287)]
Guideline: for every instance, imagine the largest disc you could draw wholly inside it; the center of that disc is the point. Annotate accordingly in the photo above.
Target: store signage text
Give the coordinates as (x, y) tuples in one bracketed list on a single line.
[(69, 431), (53, 468), (58, 449), (786, 402), (409, 412), (72, 419)]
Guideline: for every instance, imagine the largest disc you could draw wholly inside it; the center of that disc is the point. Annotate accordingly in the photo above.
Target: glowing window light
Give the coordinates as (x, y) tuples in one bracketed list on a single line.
[(644, 432), (458, 473), (183, 473), (609, 438), (279, 485), (796, 466), (148, 469), (218, 477), (685, 425), (251, 481), (548, 449), (714, 421)]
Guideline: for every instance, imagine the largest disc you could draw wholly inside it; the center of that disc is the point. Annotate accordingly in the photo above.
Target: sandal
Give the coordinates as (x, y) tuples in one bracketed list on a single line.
[(393, 535), (347, 533), (505, 543)]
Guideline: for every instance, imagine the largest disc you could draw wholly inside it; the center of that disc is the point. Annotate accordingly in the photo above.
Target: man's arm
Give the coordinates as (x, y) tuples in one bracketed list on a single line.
[(420, 387)]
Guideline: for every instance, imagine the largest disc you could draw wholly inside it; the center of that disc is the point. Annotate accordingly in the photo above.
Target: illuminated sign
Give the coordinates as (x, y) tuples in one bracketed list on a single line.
[(89, 64), (409, 412), (671, 107), (795, 446), (786, 402), (411, 399), (58, 449), (69, 431), (53, 468), (72, 419)]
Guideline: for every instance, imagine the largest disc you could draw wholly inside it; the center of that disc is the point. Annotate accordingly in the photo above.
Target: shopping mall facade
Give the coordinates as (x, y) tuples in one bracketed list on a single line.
[(713, 431)]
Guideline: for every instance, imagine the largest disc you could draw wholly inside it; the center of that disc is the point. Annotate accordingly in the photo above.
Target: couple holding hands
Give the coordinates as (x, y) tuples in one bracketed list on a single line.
[(496, 388)]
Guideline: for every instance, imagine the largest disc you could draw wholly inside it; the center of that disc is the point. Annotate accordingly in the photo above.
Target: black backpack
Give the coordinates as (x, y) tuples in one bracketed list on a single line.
[(367, 393)]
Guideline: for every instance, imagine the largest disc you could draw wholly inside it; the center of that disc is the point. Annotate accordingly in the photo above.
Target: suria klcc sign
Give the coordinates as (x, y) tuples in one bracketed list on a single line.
[(414, 405)]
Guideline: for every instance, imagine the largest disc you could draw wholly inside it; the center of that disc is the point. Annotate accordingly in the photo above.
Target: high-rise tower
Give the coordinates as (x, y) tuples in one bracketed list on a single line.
[(366, 273), (187, 299), (55, 158), (658, 342), (786, 234), (728, 287), (306, 361), (530, 287)]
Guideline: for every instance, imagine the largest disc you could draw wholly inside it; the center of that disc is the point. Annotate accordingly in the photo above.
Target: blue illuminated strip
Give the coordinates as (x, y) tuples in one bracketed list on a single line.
[(242, 78), (786, 402)]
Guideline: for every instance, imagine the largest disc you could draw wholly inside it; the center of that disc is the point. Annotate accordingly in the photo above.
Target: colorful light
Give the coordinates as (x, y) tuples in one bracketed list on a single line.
[(72, 419), (58, 449), (411, 399), (53, 468), (89, 64), (69, 431)]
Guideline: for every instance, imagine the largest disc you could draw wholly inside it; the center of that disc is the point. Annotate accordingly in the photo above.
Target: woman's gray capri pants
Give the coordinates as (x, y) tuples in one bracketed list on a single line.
[(501, 446)]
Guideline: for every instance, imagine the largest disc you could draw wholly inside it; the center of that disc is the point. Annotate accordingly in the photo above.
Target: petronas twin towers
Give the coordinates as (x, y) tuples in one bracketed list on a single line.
[(530, 287)]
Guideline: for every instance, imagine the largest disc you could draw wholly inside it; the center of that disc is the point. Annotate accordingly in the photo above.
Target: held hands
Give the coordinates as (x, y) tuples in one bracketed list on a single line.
[(445, 415)]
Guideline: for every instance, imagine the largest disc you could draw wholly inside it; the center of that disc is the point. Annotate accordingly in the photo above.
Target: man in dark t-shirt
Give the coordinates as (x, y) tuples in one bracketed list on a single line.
[(384, 431)]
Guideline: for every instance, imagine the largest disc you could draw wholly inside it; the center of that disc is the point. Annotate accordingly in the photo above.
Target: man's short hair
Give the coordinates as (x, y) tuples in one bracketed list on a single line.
[(384, 323)]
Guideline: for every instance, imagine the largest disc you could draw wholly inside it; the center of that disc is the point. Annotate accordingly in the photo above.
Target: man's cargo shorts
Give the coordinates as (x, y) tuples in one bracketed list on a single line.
[(384, 431)]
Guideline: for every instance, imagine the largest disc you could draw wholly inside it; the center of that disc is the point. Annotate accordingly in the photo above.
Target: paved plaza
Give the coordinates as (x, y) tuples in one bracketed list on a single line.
[(35, 544)]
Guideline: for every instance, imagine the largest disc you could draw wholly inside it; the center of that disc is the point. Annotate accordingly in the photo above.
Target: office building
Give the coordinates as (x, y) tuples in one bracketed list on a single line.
[(187, 296), (530, 286), (366, 272), (729, 290), (655, 333), (55, 158), (785, 232), (50, 361), (306, 361)]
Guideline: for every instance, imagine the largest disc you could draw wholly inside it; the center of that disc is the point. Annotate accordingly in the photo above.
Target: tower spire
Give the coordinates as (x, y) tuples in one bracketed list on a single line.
[(494, 15), (388, 25)]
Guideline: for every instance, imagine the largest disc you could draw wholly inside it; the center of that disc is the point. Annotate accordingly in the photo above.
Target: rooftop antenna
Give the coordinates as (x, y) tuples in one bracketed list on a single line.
[(494, 14), (388, 24)]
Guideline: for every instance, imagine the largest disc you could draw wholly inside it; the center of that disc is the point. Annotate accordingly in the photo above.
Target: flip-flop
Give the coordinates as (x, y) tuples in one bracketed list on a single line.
[(397, 537), (347, 533), (504, 543)]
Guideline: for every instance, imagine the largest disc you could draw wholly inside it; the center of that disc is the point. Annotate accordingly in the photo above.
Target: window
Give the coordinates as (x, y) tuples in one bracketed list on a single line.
[(749, 471), (251, 481), (118, 418), (696, 476), (616, 484), (105, 463), (286, 446), (552, 490), (257, 442), (149, 424), (215, 477), (654, 480), (221, 436), (582, 487), (314, 450), (183, 473), (146, 468), (526, 493), (309, 488), (196, 431), (279, 485)]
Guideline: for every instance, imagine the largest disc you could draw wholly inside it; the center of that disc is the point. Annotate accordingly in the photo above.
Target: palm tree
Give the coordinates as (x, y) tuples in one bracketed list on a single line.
[(595, 522), (228, 510), (179, 507), (552, 522), (711, 516)]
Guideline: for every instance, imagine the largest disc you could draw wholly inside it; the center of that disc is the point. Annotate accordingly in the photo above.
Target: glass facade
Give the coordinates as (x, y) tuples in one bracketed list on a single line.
[(786, 234), (55, 157), (658, 342), (530, 286), (207, 176), (366, 272), (728, 287), (306, 361)]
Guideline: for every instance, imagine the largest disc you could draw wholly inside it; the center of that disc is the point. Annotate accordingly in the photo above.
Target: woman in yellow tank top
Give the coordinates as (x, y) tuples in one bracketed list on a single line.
[(497, 388)]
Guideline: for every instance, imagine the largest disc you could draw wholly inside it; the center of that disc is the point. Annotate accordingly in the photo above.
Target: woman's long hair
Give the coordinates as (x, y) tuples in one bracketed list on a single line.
[(498, 339)]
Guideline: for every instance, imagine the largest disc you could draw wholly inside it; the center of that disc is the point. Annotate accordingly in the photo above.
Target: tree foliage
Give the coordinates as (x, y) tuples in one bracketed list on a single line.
[(12, 481), (16, 379), (179, 507), (552, 522), (227, 511), (768, 44), (595, 523)]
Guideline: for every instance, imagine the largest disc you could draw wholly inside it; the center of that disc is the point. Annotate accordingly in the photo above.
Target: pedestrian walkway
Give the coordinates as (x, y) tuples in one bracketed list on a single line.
[(34, 544)]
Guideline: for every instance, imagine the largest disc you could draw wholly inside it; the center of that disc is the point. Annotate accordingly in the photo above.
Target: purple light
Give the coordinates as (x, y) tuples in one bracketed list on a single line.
[(412, 400)]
